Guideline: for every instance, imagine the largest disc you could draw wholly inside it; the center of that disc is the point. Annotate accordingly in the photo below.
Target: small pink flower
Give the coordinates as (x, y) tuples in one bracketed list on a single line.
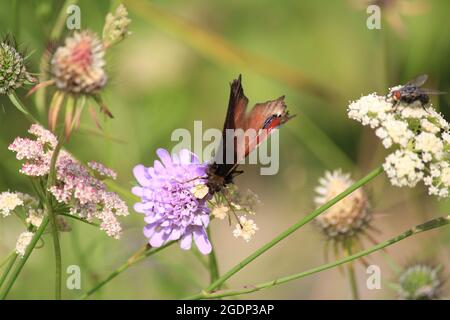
[(102, 170)]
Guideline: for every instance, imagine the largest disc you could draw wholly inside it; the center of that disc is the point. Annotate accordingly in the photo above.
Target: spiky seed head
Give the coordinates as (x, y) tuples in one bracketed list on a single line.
[(13, 72), (420, 281)]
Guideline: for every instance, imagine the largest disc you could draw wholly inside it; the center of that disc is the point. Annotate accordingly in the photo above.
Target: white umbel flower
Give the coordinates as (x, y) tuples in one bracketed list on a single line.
[(419, 137), (220, 212), (429, 143), (404, 168), (8, 202), (246, 229), (22, 242), (35, 217), (347, 217)]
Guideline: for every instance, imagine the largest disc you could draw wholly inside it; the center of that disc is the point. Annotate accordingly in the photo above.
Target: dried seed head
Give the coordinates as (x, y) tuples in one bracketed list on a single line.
[(13, 72), (420, 282), (348, 216), (78, 66)]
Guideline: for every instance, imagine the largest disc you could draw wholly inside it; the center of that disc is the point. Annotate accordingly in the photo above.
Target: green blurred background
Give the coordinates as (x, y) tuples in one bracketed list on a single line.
[(176, 67)]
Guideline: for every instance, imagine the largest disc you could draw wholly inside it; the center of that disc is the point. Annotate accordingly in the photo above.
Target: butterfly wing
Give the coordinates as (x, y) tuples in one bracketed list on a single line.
[(255, 127), (234, 119), (260, 122)]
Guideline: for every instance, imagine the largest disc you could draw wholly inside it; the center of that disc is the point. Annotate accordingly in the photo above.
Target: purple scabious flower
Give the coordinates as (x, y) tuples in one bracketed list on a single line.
[(173, 209)]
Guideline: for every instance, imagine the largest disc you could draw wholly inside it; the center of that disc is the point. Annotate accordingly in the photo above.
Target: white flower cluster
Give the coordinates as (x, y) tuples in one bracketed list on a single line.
[(419, 137), (25, 205), (234, 204), (246, 228)]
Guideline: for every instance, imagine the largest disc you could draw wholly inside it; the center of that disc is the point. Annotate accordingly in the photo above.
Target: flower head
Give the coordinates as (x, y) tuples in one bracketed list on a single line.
[(246, 228), (220, 212), (22, 242), (347, 217), (419, 137), (116, 26), (78, 66), (419, 282), (8, 202), (13, 72), (172, 210), (75, 186)]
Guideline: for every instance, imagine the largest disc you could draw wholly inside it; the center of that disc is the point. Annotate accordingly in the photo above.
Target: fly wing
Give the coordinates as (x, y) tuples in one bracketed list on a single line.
[(419, 80), (431, 91)]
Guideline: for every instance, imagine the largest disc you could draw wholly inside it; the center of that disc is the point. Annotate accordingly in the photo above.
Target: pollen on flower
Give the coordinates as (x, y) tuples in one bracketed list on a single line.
[(246, 229), (8, 202), (22, 242), (78, 66), (347, 217), (200, 191)]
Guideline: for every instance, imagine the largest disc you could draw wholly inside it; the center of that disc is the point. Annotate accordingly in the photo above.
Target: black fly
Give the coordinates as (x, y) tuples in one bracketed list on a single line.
[(411, 92)]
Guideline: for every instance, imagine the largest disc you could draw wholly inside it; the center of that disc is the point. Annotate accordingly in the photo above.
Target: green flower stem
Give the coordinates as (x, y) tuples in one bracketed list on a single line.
[(19, 105), (10, 259), (60, 22), (353, 283), (294, 228), (23, 260), (52, 215), (79, 219), (432, 224), (137, 257), (213, 266)]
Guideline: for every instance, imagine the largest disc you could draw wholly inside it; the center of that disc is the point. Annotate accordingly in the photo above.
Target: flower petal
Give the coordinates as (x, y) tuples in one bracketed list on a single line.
[(202, 241), (186, 241), (164, 155), (141, 175)]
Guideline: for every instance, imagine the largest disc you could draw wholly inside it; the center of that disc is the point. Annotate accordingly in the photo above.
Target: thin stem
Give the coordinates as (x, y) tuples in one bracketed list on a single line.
[(432, 224), (353, 283), (23, 260), (60, 22), (351, 272), (213, 266), (79, 219), (294, 228), (11, 259), (135, 258), (52, 215)]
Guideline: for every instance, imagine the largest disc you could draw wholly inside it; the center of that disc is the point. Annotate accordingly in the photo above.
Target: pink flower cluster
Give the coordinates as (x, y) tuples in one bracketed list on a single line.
[(76, 186)]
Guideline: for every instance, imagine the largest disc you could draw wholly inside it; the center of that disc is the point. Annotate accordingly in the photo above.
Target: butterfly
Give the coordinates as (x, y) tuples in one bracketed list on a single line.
[(242, 132)]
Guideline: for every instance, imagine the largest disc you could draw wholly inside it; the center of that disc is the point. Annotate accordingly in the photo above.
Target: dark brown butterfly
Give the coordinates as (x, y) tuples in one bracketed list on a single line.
[(257, 124)]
